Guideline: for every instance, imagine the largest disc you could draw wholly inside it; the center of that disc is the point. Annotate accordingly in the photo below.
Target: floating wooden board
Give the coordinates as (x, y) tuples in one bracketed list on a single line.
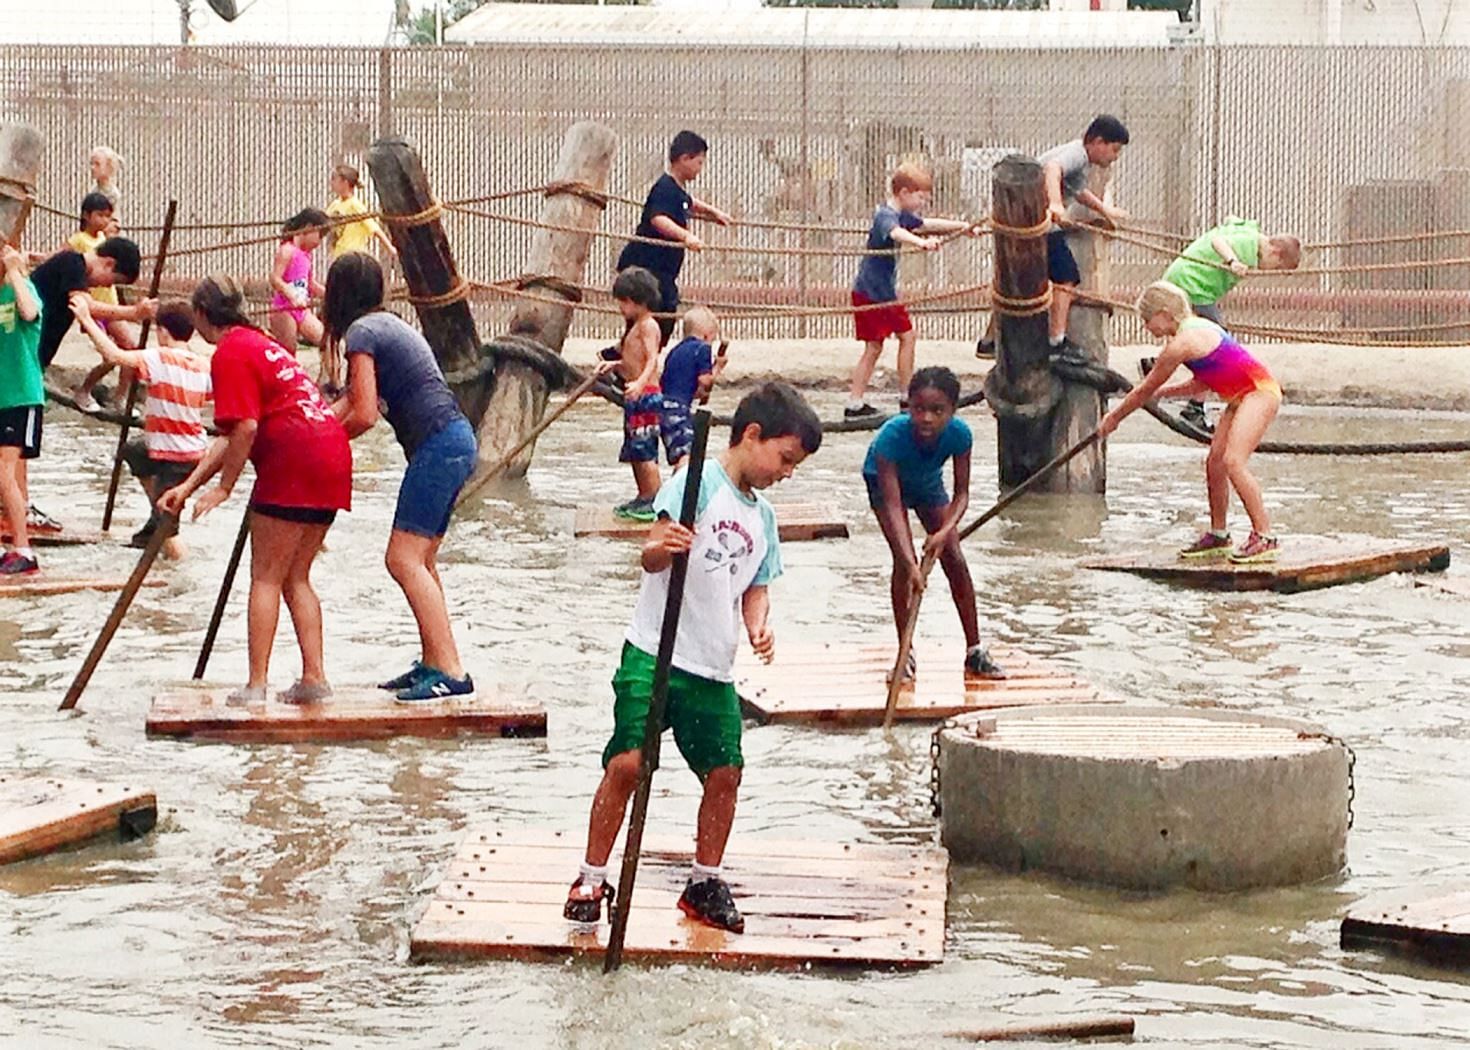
[(1435, 929), (42, 583), (65, 538), (352, 713), (796, 522), (40, 815), (1457, 585), (848, 684), (1305, 563), (803, 901)]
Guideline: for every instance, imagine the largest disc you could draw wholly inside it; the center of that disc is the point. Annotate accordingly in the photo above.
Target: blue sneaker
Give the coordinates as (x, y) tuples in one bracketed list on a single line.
[(434, 684), (406, 679)]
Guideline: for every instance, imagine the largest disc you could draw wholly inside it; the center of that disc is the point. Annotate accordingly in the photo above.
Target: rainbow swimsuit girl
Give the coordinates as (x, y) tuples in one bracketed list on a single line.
[(1229, 369)]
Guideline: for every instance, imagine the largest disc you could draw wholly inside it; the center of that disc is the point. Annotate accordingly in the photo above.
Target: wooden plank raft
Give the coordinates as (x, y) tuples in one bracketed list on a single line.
[(803, 901), (1435, 929), (351, 713), (41, 815), (65, 538), (43, 583), (1305, 563), (848, 684), (796, 522)]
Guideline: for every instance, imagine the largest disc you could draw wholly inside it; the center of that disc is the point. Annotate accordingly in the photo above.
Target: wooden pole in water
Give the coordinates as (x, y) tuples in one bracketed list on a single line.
[(127, 419), (653, 730), (1088, 1027), (1031, 422), (166, 528), (223, 598), (906, 636), (21, 147)]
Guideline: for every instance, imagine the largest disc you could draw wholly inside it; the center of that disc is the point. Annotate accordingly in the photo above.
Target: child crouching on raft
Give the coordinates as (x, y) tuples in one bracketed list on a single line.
[(1252, 397), (904, 470)]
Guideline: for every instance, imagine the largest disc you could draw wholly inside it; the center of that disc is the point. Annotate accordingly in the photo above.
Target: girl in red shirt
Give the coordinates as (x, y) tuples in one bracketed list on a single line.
[(269, 411)]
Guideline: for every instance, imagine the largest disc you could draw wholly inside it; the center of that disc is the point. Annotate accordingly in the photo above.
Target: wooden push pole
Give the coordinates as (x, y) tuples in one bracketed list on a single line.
[(906, 636), (21, 148), (1031, 423), (653, 730), (127, 418), (223, 598), (166, 528)]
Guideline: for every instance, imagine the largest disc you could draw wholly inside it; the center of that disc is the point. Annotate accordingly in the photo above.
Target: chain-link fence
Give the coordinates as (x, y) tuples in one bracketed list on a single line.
[(1329, 143)]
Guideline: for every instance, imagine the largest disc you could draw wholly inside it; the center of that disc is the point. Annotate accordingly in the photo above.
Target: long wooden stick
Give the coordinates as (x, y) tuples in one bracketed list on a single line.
[(122, 433), (478, 482), (653, 729), (166, 528), (223, 599), (906, 637), (1085, 1027)]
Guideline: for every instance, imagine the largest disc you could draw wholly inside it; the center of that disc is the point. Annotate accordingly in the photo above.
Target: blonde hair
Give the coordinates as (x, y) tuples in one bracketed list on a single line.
[(1161, 297), (701, 319), (107, 153), (1289, 248), (910, 177)]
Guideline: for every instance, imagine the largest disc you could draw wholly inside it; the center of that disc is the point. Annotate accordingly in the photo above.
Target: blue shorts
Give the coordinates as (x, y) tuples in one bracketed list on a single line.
[(676, 426), (925, 492), (641, 417), (435, 474), (1061, 267)]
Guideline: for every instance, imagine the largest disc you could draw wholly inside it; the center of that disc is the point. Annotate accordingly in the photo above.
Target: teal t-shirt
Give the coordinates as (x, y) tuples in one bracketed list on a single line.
[(1206, 284), (919, 466), (20, 352)]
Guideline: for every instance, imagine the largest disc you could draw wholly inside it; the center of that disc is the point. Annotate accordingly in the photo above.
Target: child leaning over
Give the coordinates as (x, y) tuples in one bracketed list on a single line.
[(689, 374)]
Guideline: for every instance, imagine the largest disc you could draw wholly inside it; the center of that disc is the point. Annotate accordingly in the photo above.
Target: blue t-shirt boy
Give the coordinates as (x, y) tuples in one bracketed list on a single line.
[(919, 467), (683, 366), (877, 276)]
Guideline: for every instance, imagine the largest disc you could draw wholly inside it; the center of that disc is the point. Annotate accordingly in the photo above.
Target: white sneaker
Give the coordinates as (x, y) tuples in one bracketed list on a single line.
[(86, 402)]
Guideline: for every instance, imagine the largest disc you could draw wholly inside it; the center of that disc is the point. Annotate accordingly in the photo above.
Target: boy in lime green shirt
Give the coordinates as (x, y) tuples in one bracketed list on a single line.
[(21, 398)]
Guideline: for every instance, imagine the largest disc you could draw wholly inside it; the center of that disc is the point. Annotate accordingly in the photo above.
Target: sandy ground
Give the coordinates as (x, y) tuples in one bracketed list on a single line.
[(1379, 377)]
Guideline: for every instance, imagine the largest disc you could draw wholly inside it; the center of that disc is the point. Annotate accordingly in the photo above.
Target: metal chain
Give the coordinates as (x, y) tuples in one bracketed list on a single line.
[(1352, 757), (934, 804)]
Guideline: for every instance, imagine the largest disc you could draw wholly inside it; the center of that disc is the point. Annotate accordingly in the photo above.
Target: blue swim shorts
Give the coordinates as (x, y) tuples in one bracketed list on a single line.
[(676, 426), (641, 417), (431, 484)]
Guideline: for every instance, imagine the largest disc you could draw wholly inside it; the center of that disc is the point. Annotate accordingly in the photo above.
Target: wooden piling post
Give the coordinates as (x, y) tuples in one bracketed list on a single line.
[(21, 147), (1032, 423)]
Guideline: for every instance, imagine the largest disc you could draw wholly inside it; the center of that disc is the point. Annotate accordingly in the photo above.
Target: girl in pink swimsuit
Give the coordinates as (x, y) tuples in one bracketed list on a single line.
[(294, 285), (1223, 367)]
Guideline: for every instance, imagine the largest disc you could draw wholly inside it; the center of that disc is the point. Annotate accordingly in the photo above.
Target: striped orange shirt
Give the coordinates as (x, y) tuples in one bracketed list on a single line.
[(173, 414)]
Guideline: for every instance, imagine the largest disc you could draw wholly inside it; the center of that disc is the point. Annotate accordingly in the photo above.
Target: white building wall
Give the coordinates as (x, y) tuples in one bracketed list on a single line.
[(1374, 22)]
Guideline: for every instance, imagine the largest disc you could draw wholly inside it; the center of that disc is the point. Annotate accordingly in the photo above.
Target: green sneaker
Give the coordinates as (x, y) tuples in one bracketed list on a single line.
[(636, 510)]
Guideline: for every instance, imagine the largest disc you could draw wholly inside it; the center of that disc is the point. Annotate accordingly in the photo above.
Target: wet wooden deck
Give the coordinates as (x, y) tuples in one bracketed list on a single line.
[(41, 815), (352, 713), (804, 902), (796, 522), (1305, 563), (43, 584), (848, 684), (1435, 928)]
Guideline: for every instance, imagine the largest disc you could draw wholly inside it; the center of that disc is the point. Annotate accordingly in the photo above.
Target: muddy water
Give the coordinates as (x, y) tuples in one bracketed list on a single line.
[(272, 906)]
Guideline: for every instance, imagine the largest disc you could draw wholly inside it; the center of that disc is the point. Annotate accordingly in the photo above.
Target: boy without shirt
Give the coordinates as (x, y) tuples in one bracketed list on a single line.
[(636, 292)]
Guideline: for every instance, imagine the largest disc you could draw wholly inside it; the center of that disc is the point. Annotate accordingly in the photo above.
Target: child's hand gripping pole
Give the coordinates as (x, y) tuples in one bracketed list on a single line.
[(906, 637), (654, 727)]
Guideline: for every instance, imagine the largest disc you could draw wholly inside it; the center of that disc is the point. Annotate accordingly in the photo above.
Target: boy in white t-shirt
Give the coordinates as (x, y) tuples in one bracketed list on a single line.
[(734, 554)]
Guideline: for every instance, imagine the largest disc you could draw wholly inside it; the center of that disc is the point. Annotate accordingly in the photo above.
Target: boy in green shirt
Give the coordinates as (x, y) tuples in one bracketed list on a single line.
[(1200, 272), (21, 398)]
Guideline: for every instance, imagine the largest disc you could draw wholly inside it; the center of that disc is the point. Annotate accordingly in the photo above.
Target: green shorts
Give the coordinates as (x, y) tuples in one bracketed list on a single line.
[(704, 714)]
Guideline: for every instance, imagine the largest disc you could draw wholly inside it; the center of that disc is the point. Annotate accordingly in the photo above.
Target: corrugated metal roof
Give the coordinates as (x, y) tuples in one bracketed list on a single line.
[(819, 27)]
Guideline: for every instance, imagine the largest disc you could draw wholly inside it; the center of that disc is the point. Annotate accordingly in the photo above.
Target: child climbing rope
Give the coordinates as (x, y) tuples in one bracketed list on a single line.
[(1252, 396), (903, 471)]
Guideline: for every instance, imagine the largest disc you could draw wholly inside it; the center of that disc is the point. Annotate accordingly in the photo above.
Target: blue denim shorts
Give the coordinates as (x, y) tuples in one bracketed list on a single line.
[(928, 492), (433, 479)]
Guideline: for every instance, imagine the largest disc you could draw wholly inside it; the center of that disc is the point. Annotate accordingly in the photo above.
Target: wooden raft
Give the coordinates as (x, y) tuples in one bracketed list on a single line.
[(43, 583), (352, 713), (828, 682), (1435, 929), (1305, 563), (796, 522), (40, 815), (803, 901), (64, 538)]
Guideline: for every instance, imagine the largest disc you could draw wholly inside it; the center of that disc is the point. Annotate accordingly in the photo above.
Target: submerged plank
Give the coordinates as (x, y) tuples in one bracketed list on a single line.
[(803, 902), (1432, 927), (43, 583), (795, 522), (351, 713), (1305, 563), (40, 815), (848, 684)]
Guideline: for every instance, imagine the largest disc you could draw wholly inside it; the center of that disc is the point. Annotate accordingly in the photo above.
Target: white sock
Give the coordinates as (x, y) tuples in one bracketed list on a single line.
[(699, 873), (855, 402), (1055, 340), (25, 552), (593, 875), (1220, 534)]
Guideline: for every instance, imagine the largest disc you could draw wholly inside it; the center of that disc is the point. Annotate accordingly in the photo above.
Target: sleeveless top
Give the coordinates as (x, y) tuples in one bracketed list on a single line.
[(1229, 369)]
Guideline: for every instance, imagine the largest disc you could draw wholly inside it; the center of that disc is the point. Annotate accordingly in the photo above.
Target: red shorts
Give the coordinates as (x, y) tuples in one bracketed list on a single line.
[(874, 326)]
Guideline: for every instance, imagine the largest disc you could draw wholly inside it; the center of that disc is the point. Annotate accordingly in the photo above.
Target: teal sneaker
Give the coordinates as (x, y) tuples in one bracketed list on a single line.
[(433, 684), (636, 510), (406, 679)]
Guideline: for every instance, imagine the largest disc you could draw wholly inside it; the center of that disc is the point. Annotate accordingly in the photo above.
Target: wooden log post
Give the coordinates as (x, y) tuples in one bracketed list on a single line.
[(1033, 422), (1082, 406), (556, 264), (20, 166)]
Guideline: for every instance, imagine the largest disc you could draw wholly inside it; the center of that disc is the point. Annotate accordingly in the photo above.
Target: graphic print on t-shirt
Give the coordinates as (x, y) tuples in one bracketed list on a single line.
[(731, 545)]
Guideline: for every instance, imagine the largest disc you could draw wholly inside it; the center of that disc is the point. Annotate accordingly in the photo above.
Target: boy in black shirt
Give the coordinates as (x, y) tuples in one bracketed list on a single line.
[(666, 215)]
